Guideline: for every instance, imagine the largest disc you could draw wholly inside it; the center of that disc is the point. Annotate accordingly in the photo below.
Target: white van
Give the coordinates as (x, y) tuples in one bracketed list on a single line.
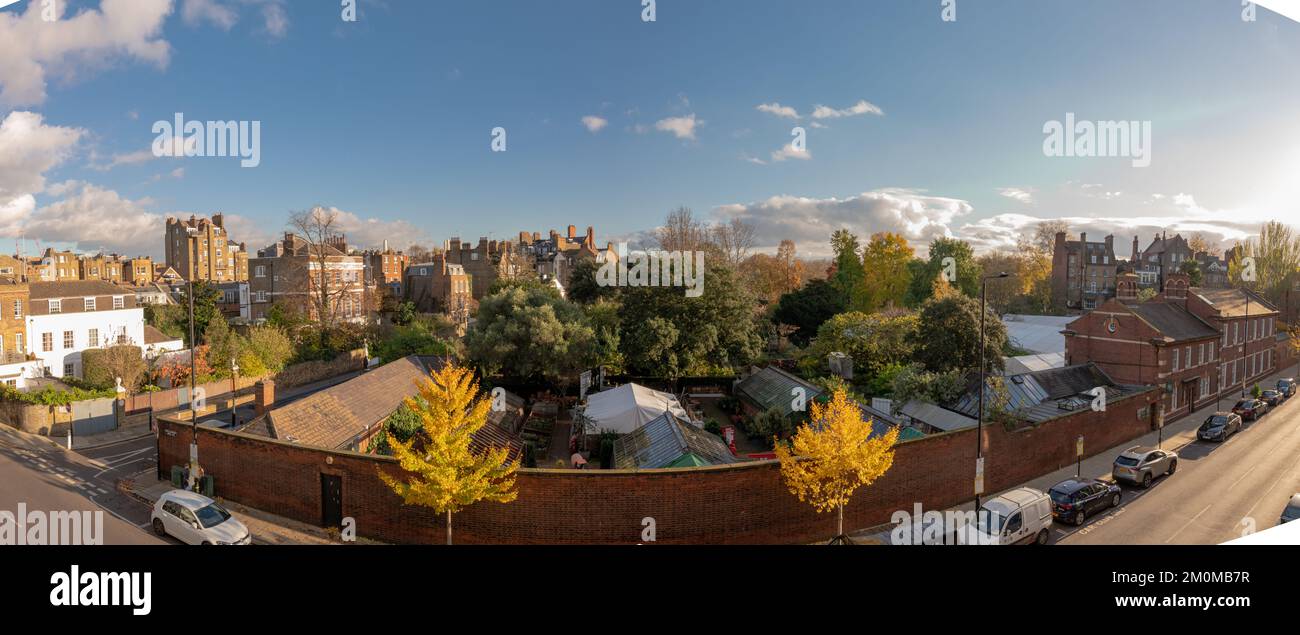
[(1019, 516)]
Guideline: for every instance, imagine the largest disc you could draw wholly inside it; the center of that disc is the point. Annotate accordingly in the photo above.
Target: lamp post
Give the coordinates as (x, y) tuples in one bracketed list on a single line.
[(194, 410), (979, 421), (234, 393)]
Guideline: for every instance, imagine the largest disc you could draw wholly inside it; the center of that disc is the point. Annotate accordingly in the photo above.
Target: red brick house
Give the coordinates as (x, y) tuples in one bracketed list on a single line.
[(1159, 342), (1247, 324)]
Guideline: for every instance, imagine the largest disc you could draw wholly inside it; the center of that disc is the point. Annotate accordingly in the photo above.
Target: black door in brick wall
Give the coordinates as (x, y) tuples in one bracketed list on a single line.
[(331, 500)]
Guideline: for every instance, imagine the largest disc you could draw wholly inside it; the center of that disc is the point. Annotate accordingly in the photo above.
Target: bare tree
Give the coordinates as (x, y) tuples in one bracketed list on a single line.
[(734, 239), (681, 232), (317, 227)]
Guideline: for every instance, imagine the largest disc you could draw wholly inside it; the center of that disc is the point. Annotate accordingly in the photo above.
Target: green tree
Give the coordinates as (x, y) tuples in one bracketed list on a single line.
[(529, 332), (886, 277), (807, 308), (583, 288), (716, 330), (948, 335), (872, 340), (848, 262), (1193, 270), (964, 268), (271, 346), (171, 319)]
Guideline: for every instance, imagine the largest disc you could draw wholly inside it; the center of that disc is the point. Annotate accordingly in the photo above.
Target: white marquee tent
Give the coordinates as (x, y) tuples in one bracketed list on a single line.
[(628, 407)]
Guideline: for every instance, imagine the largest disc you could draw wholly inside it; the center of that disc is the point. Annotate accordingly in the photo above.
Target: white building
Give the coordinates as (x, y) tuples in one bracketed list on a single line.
[(69, 317)]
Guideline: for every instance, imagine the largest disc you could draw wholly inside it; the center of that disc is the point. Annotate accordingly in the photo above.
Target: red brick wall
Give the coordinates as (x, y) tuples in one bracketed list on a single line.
[(733, 504)]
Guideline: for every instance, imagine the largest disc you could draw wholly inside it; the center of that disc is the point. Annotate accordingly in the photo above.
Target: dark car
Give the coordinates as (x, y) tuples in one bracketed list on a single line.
[(1271, 397), (1219, 426), (1292, 511), (1073, 501), (1286, 387), (1250, 409)]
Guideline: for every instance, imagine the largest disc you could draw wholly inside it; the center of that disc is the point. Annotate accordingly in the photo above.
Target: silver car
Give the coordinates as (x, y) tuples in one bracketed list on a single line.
[(1139, 465)]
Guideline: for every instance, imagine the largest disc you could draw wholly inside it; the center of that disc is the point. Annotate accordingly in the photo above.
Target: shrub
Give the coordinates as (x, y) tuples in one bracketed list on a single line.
[(102, 367)]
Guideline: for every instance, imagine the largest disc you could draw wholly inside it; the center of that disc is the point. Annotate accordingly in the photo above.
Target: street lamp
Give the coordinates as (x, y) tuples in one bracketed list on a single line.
[(979, 422), (194, 410)]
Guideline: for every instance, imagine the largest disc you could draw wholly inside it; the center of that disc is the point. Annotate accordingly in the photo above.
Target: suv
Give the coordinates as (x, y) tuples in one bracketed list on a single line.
[(195, 519), (1074, 500), (1019, 516), (1286, 387), (1219, 426), (1250, 408), (1140, 464)]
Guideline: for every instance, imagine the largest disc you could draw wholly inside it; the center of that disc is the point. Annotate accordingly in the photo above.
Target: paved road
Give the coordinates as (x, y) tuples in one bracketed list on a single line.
[(48, 478), (1218, 491)]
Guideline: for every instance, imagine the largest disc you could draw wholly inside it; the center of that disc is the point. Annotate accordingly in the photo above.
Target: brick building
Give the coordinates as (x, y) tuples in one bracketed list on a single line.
[(289, 273), (200, 249), (1083, 273), (555, 256), (1247, 324), (138, 271), (1196, 344), (1164, 255), (484, 263), (438, 286), (108, 268)]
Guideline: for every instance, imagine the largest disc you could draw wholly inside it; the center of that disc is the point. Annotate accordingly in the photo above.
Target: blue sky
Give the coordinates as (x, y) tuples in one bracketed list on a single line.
[(389, 118)]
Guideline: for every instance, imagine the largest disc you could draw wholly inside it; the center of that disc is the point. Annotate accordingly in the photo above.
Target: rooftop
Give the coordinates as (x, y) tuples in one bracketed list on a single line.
[(75, 289), (1173, 321), (666, 442), (1235, 302)]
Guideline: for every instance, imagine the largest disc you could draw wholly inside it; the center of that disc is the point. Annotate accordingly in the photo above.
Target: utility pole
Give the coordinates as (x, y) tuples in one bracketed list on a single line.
[(194, 411), (979, 422)]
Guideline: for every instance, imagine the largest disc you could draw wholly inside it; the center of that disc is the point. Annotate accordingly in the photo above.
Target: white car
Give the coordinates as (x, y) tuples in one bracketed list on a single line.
[(1017, 517), (195, 519)]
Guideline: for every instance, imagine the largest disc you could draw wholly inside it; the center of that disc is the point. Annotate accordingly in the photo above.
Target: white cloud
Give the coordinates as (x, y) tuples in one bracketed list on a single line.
[(1023, 195), (93, 218), (790, 152), (31, 48), (366, 233), (863, 107), (680, 127), (810, 221), (194, 12), (29, 148), (275, 17), (594, 123), (778, 110)]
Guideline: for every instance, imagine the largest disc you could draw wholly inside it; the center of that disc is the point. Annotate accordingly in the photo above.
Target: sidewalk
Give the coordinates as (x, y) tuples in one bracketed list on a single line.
[(266, 529), (1174, 437)]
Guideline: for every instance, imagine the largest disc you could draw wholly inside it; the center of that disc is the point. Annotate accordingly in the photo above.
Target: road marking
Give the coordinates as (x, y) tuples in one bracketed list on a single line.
[(1180, 529), (1234, 483)]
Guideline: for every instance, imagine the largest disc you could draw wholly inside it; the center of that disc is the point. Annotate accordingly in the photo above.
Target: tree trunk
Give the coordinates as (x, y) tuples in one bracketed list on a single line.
[(840, 522), (449, 528)]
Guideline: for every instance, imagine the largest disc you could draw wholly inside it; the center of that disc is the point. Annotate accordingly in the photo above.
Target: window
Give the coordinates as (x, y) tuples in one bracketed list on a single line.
[(69, 340), (18, 309), (1187, 357), (1174, 359), (56, 306), (1173, 400), (1236, 332), (260, 271), (69, 369), (90, 304), (93, 338), (18, 342), (47, 342), (119, 302)]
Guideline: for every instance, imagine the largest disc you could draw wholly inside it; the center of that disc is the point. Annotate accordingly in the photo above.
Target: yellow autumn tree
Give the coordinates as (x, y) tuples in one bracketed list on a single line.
[(832, 455), (443, 473)]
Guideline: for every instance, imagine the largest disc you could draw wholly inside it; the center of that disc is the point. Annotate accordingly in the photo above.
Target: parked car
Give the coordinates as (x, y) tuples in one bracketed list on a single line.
[(1271, 397), (195, 519), (1287, 387), (1250, 408), (1219, 426), (1073, 501), (1140, 465), (1020, 516), (1292, 511)]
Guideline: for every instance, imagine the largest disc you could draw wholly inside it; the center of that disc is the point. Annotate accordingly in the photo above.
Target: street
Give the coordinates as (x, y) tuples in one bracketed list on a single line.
[(1219, 491), (48, 478)]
